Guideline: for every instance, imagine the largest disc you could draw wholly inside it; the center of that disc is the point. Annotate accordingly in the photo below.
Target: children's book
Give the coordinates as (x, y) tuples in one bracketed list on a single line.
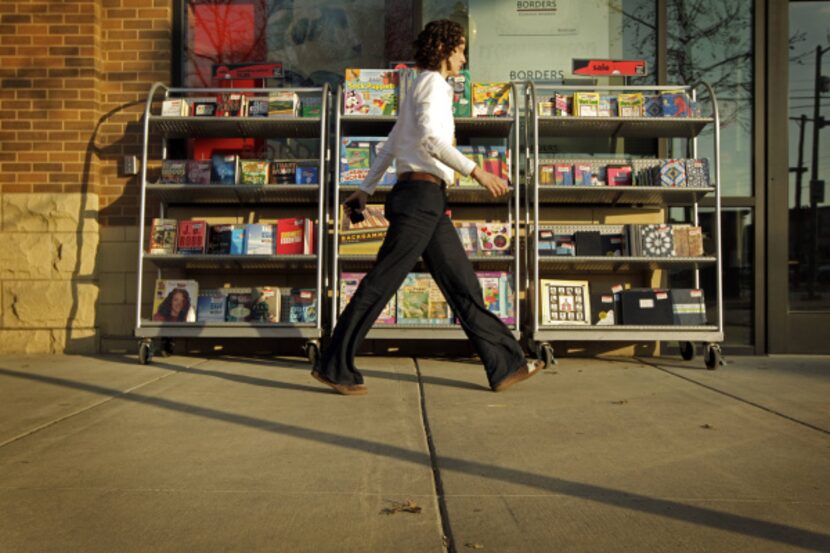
[(491, 99), (370, 92), (348, 286)]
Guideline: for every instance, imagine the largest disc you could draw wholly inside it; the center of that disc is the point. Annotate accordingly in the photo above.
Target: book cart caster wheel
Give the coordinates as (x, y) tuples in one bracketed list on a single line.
[(166, 347), (712, 356), (312, 351), (687, 351), (145, 353), (546, 351)]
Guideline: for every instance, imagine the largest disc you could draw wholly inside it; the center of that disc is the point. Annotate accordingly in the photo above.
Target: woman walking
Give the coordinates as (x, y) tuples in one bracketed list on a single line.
[(422, 144)]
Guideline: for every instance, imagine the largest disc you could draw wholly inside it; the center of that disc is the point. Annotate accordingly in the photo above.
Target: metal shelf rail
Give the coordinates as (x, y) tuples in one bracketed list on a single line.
[(495, 127), (167, 128), (536, 126)]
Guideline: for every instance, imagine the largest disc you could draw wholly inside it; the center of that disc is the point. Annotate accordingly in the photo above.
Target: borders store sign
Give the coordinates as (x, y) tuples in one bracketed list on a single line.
[(536, 40)]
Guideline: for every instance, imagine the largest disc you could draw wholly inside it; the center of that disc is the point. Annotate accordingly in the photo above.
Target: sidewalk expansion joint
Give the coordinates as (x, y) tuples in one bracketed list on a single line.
[(77, 412), (443, 513), (739, 398)]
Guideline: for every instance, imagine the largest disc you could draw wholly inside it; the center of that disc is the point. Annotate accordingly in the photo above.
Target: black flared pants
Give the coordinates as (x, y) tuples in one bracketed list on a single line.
[(418, 226)]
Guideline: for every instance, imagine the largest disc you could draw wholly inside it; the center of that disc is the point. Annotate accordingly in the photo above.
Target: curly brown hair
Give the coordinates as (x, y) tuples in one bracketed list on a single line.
[(436, 43)]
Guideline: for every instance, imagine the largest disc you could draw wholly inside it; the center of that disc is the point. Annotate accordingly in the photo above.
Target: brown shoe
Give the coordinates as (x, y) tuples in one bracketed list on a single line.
[(342, 389), (523, 373)]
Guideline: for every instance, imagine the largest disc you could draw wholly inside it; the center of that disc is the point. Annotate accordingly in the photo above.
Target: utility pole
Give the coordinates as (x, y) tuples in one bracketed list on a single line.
[(815, 184), (799, 171)]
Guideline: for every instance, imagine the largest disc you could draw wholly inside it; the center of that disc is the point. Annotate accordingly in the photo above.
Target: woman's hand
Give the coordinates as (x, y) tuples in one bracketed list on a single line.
[(494, 184), (358, 195)]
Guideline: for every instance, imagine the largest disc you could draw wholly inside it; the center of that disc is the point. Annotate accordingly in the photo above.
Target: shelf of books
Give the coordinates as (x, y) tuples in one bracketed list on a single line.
[(456, 195), (623, 195), (594, 281), (585, 264), (224, 193), (231, 262), (221, 329), (211, 126), (235, 239), (487, 130), (623, 127)]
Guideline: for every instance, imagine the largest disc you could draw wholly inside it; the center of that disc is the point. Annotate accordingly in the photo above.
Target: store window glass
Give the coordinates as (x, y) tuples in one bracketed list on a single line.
[(809, 157), (316, 40), (737, 241), (711, 40), (536, 41)]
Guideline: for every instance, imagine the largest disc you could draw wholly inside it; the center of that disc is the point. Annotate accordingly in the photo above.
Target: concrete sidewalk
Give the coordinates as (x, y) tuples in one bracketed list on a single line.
[(246, 454)]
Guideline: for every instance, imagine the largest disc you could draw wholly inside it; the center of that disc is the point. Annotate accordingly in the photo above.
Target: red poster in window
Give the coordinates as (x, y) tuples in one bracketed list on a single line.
[(224, 32)]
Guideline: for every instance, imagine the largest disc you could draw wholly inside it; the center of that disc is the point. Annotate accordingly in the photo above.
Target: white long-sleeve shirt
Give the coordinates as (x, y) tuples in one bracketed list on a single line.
[(422, 138)]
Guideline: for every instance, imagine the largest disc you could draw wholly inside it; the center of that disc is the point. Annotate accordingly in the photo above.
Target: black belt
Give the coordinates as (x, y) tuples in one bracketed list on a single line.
[(421, 176)]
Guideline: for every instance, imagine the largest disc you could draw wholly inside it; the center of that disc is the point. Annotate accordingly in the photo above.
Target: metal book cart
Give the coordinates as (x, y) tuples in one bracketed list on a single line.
[(212, 196), (540, 336), (465, 127)]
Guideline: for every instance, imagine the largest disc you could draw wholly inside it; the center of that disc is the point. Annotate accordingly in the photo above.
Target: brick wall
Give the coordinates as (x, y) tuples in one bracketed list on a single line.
[(73, 76)]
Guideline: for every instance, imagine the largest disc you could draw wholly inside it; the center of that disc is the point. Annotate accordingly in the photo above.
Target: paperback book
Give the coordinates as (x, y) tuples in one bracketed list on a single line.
[(282, 172), (370, 92), (174, 171), (253, 172), (355, 159), (174, 301), (265, 304), (349, 283), (491, 99), (211, 306), (302, 305), (283, 104), (176, 107), (192, 237), (586, 104), (461, 94), (420, 301), (295, 236), (497, 291), (493, 238), (239, 304), (198, 171), (259, 239), (224, 168), (163, 237)]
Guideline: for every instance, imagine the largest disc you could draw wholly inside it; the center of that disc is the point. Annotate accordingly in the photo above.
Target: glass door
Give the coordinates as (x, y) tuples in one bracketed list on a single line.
[(799, 229)]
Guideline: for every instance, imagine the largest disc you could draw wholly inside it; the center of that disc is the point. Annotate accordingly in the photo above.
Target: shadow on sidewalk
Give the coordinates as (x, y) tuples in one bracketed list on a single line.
[(769, 531)]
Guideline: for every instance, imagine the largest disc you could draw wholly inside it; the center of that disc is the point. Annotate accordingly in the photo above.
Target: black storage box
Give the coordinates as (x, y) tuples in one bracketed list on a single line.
[(688, 306), (602, 309), (588, 243), (644, 306)]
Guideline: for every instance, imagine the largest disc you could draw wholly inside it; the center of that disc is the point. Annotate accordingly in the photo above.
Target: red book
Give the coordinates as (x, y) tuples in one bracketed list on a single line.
[(192, 237), (295, 236)]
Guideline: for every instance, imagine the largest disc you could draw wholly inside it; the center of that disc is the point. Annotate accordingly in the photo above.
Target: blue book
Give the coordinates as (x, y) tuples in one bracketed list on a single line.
[(307, 175), (211, 306), (259, 239), (224, 168), (237, 240)]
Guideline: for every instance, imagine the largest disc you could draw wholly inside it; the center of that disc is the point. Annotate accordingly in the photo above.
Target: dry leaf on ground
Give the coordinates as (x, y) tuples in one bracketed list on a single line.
[(407, 506)]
